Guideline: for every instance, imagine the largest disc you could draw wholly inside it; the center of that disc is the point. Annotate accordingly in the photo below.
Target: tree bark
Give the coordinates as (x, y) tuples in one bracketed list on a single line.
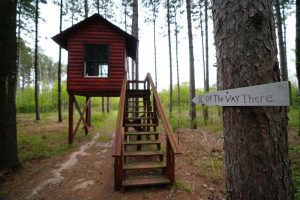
[(255, 138), (154, 44), (103, 105), (36, 63), (298, 42), (206, 86), (298, 52), (107, 105), (59, 68), (135, 32), (192, 68), (170, 57), (98, 6), (282, 55), (8, 81), (177, 62), (86, 8)]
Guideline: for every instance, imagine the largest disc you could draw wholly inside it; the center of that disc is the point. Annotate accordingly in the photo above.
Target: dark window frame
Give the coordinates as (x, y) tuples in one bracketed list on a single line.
[(96, 60)]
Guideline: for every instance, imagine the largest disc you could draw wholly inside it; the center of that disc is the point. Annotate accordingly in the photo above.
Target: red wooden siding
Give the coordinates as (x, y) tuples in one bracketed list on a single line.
[(95, 33)]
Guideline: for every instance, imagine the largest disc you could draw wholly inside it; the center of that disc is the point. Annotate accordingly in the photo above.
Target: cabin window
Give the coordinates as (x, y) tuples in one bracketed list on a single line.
[(96, 59)]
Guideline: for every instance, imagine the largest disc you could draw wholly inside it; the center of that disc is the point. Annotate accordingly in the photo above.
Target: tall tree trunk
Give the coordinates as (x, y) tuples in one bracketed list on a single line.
[(8, 81), (282, 56), (135, 32), (103, 105), (177, 63), (255, 138), (192, 68), (59, 68), (107, 105), (298, 53), (86, 8), (36, 63), (205, 108), (19, 44), (98, 6), (154, 43), (170, 57)]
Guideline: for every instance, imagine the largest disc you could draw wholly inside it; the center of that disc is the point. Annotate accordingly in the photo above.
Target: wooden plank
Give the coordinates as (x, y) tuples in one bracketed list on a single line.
[(144, 165), (139, 142), (142, 153), (141, 133), (133, 181), (272, 94)]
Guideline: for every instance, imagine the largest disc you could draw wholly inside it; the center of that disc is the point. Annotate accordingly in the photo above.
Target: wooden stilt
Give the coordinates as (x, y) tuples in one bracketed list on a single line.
[(71, 109), (81, 116), (88, 113)]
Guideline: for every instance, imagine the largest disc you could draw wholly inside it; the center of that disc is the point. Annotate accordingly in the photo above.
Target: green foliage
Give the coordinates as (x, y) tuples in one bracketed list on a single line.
[(48, 99), (294, 109), (294, 154)]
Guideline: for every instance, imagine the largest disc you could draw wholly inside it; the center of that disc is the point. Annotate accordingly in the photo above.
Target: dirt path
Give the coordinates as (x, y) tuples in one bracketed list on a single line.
[(87, 173)]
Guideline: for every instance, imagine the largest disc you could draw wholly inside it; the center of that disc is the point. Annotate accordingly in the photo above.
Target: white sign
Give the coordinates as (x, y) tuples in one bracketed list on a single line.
[(273, 94)]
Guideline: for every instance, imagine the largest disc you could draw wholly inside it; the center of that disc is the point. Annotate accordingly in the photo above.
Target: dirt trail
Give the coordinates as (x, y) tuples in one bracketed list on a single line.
[(87, 173)]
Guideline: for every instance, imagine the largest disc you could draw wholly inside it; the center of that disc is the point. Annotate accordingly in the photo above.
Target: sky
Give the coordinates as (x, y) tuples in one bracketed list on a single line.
[(50, 27)]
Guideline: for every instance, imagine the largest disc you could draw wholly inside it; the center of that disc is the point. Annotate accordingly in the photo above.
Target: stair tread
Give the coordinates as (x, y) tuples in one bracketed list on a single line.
[(139, 118), (139, 106), (144, 165), (142, 153), (141, 142), (133, 111), (133, 125), (141, 133), (145, 180)]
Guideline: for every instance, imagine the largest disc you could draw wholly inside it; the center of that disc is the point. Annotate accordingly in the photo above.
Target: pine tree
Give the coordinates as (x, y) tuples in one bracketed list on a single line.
[(255, 138), (36, 66), (8, 81), (192, 68), (170, 56)]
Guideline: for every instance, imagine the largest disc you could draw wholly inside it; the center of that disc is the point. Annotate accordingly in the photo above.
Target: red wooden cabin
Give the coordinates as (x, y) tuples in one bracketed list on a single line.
[(97, 52)]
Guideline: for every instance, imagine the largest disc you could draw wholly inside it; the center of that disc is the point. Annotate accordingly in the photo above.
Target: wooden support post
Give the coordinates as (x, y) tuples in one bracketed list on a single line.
[(71, 109), (88, 113), (118, 171), (81, 116), (170, 171)]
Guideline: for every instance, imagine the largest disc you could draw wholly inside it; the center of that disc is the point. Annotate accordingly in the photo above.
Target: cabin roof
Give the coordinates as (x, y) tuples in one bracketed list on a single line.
[(131, 41)]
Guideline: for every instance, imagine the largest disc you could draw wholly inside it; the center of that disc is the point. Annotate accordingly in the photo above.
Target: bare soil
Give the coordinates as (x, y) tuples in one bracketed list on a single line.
[(87, 173)]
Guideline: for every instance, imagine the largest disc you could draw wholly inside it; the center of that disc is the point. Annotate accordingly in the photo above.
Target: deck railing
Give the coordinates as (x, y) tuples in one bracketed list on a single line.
[(119, 134), (172, 147)]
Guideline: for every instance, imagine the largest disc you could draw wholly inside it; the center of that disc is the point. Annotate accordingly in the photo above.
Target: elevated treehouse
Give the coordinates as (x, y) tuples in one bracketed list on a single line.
[(97, 53)]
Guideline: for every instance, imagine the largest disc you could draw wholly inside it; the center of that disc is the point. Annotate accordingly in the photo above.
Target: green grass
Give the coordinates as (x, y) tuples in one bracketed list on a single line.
[(179, 185), (104, 138), (42, 146), (47, 138)]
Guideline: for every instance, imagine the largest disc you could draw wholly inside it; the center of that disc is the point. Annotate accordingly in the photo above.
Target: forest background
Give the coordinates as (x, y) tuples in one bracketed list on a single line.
[(73, 13)]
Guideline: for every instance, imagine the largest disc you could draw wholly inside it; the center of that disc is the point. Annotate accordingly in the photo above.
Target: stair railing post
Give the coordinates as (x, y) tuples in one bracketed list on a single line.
[(170, 171), (118, 171)]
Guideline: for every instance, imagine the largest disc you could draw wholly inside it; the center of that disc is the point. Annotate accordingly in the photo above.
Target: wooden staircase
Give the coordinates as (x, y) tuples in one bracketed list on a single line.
[(143, 156)]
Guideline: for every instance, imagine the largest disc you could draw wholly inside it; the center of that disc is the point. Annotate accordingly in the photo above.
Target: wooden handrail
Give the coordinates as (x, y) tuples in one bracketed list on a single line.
[(117, 143), (162, 115)]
